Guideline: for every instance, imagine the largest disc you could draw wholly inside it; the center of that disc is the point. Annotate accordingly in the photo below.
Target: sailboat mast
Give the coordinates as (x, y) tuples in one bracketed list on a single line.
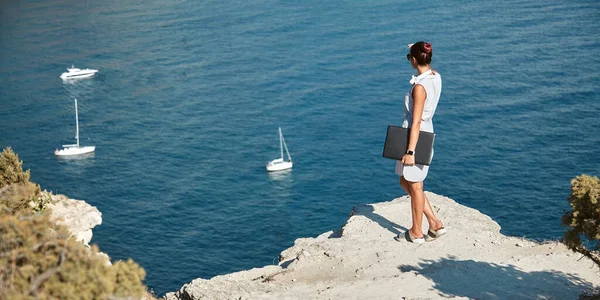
[(286, 148), (76, 123), (281, 142)]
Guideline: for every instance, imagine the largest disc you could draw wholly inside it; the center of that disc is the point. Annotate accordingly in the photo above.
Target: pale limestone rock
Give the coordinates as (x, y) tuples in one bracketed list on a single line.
[(78, 216), (363, 261)]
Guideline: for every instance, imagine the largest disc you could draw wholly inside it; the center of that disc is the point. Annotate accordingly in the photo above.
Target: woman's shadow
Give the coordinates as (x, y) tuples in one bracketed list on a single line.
[(368, 211)]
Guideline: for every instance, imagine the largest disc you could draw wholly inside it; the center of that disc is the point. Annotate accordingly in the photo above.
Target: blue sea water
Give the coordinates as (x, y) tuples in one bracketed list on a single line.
[(185, 109)]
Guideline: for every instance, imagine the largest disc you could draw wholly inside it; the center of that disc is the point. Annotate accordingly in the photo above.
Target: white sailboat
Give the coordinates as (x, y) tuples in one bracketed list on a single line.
[(75, 149), (279, 164)]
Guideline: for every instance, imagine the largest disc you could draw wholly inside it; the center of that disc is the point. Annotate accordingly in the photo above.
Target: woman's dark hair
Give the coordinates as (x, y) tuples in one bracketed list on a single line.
[(422, 52)]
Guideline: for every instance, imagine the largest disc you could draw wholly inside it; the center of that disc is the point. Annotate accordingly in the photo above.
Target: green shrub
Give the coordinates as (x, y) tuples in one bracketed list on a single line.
[(128, 276), (16, 191), (17, 198), (584, 218), (39, 260), (11, 169)]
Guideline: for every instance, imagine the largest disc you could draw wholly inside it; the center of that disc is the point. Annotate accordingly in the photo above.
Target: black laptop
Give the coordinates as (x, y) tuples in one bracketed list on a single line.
[(396, 143)]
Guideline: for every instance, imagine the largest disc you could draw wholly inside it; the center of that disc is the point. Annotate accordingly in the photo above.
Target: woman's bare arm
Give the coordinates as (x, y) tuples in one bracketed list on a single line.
[(419, 96)]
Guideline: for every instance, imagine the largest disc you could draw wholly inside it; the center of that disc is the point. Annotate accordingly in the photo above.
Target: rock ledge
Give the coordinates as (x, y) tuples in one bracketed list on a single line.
[(363, 261), (78, 216)]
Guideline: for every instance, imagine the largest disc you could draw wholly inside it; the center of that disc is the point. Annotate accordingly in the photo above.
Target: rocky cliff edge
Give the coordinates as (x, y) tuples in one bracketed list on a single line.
[(363, 261)]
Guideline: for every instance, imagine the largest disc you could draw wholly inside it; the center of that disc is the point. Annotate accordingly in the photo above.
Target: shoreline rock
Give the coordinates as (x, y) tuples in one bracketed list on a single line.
[(77, 215), (363, 261)]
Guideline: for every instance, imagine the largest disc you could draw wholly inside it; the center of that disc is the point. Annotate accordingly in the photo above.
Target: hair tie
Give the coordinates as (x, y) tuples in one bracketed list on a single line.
[(426, 47)]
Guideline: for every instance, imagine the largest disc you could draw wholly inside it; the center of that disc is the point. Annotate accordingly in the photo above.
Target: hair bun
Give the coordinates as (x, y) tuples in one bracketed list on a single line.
[(426, 47)]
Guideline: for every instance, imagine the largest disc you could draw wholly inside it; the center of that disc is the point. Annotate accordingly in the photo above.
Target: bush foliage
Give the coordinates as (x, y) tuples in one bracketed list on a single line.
[(584, 218), (16, 191), (39, 260), (11, 169)]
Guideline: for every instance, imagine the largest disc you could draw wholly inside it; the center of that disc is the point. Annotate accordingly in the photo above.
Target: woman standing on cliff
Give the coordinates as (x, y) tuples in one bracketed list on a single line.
[(419, 107)]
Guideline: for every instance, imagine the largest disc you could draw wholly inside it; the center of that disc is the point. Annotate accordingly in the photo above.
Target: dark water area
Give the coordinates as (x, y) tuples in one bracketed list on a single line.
[(185, 108)]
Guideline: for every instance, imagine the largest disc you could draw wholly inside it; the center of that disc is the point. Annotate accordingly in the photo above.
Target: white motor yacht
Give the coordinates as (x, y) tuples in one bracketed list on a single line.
[(75, 73)]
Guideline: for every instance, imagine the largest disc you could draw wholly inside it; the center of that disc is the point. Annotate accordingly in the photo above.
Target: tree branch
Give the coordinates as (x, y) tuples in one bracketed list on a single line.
[(35, 284), (593, 255)]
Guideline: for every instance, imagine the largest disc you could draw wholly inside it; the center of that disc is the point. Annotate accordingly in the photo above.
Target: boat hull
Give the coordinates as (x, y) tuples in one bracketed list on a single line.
[(67, 76), (75, 151), (279, 165)]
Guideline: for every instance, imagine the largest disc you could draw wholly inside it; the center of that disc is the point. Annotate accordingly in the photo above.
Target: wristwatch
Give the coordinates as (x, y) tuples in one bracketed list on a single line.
[(410, 152)]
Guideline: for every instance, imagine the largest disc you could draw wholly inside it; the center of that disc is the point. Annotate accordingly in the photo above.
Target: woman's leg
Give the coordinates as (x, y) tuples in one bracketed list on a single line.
[(417, 204), (433, 221), (404, 185)]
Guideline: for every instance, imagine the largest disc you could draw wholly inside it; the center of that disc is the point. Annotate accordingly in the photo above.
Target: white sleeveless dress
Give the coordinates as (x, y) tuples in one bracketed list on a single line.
[(433, 87)]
